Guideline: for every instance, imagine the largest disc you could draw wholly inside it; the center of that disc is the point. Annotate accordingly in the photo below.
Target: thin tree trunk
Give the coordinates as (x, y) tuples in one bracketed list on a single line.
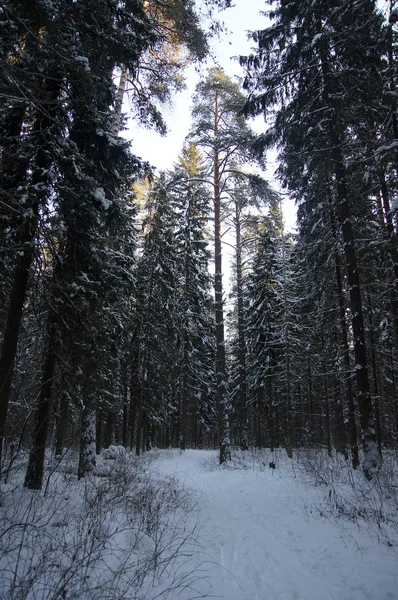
[(132, 410), (87, 456), (375, 377), (223, 423), (288, 391), (184, 398), (99, 432), (352, 428), (139, 428), (61, 423), (393, 257), (310, 404), (35, 470), (110, 428), (126, 408), (243, 437)]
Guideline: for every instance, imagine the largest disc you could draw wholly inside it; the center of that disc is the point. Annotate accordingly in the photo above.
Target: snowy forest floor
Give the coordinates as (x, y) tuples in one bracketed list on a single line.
[(174, 525), (271, 535)]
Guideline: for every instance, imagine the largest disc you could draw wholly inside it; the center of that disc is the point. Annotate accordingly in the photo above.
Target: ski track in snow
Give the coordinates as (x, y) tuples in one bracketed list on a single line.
[(258, 542)]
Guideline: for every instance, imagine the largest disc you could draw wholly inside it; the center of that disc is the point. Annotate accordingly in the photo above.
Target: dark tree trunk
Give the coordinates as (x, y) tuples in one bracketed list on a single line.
[(61, 423), (310, 404), (393, 257), (288, 383), (375, 377), (352, 428), (36, 195), (99, 432), (13, 323), (327, 413), (132, 415), (87, 458), (243, 437), (35, 470), (184, 398), (126, 410), (110, 428)]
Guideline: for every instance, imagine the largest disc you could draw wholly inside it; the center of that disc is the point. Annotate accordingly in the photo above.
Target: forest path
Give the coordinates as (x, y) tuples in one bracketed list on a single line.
[(260, 541)]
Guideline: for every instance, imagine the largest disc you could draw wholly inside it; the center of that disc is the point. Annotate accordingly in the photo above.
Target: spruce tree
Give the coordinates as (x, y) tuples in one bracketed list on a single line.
[(317, 67)]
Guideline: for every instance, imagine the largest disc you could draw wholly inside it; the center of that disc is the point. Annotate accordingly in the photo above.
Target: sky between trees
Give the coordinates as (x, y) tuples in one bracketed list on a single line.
[(163, 152)]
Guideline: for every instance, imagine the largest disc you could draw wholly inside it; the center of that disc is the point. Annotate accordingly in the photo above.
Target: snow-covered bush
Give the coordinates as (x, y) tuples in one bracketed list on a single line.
[(345, 493), (123, 535), (114, 452)]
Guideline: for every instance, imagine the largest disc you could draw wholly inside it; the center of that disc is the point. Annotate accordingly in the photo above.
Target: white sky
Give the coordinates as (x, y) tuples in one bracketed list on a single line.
[(162, 152)]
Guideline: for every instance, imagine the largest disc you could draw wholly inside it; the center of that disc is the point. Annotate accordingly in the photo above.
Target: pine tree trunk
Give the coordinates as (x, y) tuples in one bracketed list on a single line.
[(223, 423), (243, 437)]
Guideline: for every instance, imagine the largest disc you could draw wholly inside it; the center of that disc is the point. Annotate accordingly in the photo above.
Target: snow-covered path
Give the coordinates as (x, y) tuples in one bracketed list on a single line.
[(260, 541)]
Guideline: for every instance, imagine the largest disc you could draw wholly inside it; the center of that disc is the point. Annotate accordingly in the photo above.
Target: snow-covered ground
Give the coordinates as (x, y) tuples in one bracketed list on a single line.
[(263, 539), (174, 525)]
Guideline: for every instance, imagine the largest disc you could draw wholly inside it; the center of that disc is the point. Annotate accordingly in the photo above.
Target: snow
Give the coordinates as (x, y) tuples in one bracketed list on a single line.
[(262, 539), (83, 60), (99, 194), (316, 39), (174, 525)]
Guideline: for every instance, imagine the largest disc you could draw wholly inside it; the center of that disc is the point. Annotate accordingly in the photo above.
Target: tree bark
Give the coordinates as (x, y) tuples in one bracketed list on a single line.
[(87, 456), (243, 437), (61, 423), (35, 470), (352, 427), (288, 391), (223, 423)]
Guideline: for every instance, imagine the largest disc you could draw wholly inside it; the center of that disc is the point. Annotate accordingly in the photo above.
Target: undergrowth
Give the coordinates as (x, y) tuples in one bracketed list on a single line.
[(344, 493), (121, 533), (341, 493)]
